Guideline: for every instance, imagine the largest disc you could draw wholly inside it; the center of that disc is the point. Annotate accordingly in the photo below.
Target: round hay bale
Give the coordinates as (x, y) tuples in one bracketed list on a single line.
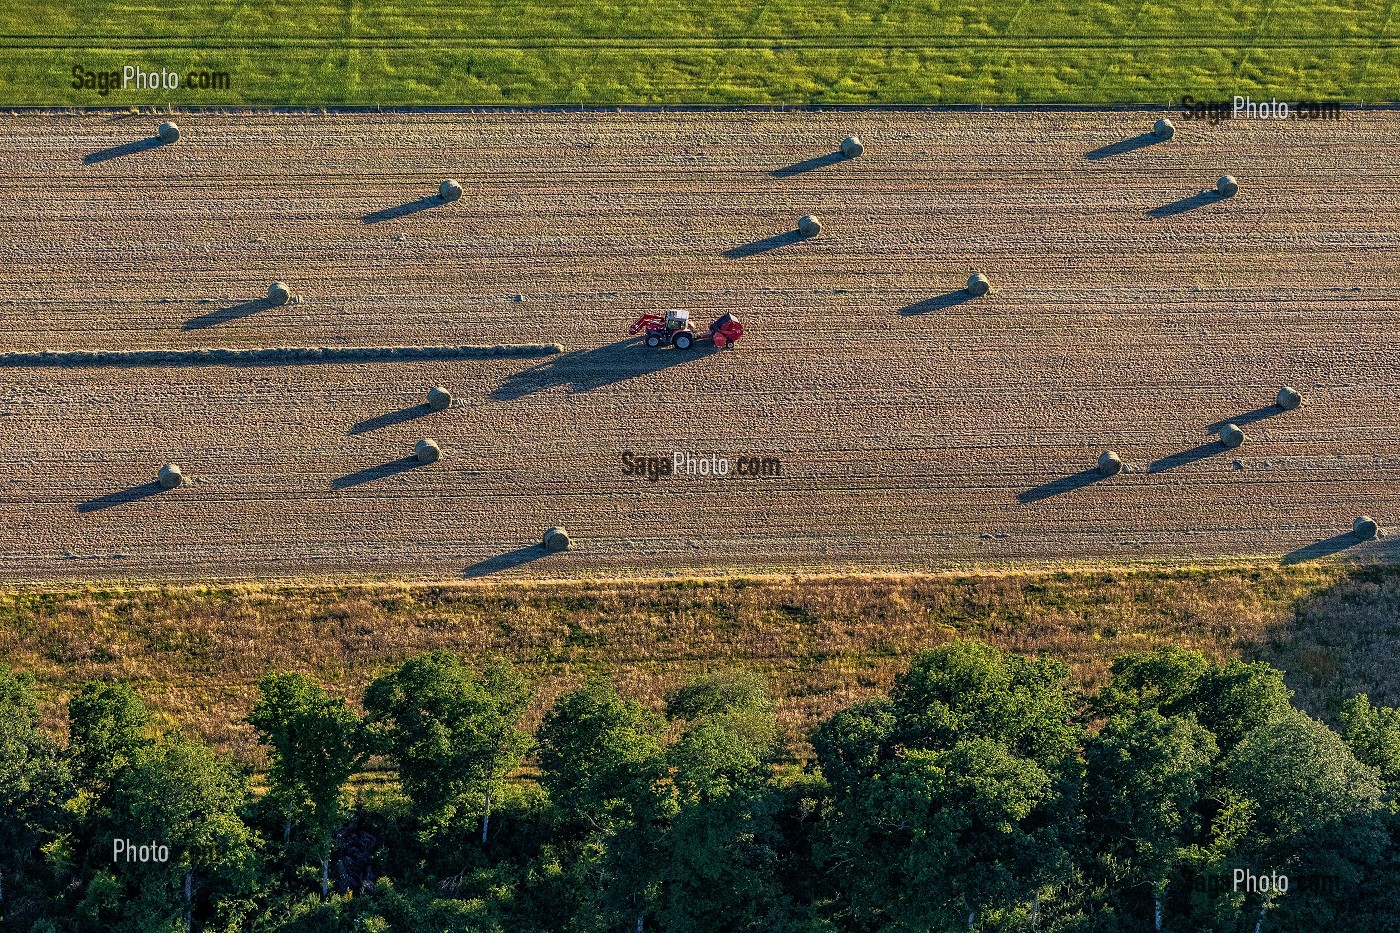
[(555, 539), (1365, 527), (1227, 186), (1110, 464), (170, 476), (1164, 128), (439, 398), (1289, 398), (278, 293), (808, 225), (1231, 435), (427, 451), (978, 284), (168, 132), (851, 147), (449, 190)]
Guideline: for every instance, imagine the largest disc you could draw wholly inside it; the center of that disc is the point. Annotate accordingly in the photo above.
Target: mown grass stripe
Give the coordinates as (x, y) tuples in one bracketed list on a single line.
[(273, 356)]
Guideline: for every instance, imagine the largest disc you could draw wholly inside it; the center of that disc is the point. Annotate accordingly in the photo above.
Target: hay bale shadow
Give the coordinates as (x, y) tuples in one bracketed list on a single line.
[(1060, 486), (1199, 199), (122, 497), (1186, 457), (516, 558), (1122, 146), (777, 241), (808, 165), (938, 302), (403, 210), (376, 472), (1326, 547), (585, 370), (1244, 418), (125, 149), (224, 315), (391, 418)]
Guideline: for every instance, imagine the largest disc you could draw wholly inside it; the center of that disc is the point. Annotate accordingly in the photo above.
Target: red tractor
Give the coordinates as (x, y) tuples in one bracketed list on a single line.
[(674, 329)]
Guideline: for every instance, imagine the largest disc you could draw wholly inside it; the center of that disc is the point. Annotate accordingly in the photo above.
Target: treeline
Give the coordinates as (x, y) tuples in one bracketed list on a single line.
[(984, 792)]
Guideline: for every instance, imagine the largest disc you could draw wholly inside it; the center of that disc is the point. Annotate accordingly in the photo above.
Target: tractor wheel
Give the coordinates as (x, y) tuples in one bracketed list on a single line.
[(653, 340), (683, 340)]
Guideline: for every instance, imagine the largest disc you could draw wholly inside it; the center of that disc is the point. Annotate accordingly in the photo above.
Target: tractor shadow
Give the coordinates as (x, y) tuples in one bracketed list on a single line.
[(377, 472), (224, 315), (516, 558), (1336, 544), (125, 149), (391, 418), (122, 497), (1248, 417), (1199, 199), (1186, 457), (1122, 146), (1060, 486), (808, 165), (767, 244), (585, 370), (938, 302), (403, 210)]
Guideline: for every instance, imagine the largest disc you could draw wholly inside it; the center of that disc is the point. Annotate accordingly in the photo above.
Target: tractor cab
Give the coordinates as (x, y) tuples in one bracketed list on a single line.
[(677, 319)]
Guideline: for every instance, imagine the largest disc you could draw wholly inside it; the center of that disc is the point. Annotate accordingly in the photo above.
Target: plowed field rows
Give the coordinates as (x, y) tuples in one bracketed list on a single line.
[(916, 428)]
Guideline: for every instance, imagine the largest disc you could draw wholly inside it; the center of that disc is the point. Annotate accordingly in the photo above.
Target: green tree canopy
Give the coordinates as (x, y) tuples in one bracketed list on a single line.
[(315, 744), (107, 725), (181, 795), (1314, 816), (722, 846), (599, 757), (602, 760), (954, 800), (452, 731), (967, 689), (34, 783), (1373, 735), (1227, 699), (1145, 777)]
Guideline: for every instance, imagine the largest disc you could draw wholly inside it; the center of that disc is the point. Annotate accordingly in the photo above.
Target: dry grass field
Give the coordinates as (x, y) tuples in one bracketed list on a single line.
[(196, 652), (917, 429)]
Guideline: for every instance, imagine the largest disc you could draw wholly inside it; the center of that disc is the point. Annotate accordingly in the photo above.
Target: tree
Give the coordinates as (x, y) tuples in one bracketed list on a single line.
[(106, 729), (1144, 778), (722, 847), (854, 743), (1315, 817), (1166, 680), (1227, 699), (451, 730), (180, 795), (601, 759), (966, 688), (315, 743), (954, 800), (596, 751), (1373, 735), (34, 783)]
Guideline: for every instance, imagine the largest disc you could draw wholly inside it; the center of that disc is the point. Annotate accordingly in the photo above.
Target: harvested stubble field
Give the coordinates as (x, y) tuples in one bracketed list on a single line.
[(916, 428)]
